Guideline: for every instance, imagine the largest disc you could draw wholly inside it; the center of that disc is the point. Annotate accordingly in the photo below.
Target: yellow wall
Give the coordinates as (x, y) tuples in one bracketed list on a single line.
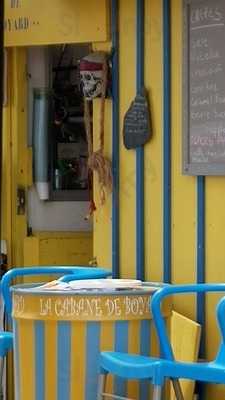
[(6, 227), (153, 150), (184, 188), (58, 248), (14, 155)]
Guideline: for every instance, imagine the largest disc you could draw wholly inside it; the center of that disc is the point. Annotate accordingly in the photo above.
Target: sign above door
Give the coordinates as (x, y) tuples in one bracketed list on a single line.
[(32, 22)]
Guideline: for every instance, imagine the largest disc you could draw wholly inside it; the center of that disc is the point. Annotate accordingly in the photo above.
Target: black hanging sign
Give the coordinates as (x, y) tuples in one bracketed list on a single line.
[(137, 128)]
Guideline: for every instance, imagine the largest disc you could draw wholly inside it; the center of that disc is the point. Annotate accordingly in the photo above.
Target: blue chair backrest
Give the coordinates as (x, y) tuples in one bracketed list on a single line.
[(221, 322), (155, 305), (76, 272)]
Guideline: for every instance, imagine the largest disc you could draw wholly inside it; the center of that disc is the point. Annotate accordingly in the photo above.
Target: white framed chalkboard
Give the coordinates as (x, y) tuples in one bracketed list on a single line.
[(204, 87)]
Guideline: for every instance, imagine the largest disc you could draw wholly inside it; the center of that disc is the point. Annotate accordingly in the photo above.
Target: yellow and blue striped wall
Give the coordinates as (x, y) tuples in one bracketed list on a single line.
[(174, 231), (184, 216)]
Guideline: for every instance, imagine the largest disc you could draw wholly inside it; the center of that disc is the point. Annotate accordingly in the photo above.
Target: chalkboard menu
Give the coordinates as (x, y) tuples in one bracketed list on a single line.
[(204, 87)]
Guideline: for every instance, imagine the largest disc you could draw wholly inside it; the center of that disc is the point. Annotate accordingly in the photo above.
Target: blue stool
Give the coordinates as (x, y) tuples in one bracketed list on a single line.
[(157, 370)]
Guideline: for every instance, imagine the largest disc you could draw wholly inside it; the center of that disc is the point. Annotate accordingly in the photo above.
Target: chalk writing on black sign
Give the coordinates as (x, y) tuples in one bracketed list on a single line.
[(137, 127)]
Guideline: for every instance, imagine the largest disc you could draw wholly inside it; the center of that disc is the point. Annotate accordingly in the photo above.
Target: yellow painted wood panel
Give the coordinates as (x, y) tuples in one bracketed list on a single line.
[(78, 341), (27, 361), (185, 339), (102, 216), (53, 250), (19, 149), (153, 155), (107, 344), (133, 348), (58, 249), (6, 217), (183, 187), (215, 253), (56, 21), (153, 150), (31, 251), (127, 67)]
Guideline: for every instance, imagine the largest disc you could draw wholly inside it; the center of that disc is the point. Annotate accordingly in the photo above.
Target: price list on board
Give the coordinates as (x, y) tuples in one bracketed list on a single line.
[(204, 88)]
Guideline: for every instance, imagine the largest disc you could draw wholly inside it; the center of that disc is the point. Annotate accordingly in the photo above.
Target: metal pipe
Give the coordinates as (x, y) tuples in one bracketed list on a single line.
[(167, 142), (140, 198), (177, 389), (40, 141), (157, 393), (115, 140)]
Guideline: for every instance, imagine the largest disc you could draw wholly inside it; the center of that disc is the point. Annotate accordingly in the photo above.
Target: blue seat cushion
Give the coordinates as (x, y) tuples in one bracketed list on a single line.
[(213, 372), (129, 366), (134, 366)]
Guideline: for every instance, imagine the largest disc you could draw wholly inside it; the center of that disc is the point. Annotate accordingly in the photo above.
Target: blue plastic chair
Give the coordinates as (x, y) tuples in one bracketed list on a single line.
[(70, 272), (157, 370)]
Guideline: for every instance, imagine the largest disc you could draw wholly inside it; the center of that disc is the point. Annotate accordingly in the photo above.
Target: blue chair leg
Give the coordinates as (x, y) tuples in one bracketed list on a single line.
[(101, 386), (177, 389), (2, 359), (157, 392)]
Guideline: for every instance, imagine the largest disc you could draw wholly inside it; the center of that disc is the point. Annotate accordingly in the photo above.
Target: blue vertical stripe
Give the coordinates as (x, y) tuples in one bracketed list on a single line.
[(16, 353), (166, 143), (39, 360), (201, 252), (115, 139), (121, 345), (140, 234), (63, 360), (140, 244), (201, 266), (140, 44), (145, 337), (92, 357)]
